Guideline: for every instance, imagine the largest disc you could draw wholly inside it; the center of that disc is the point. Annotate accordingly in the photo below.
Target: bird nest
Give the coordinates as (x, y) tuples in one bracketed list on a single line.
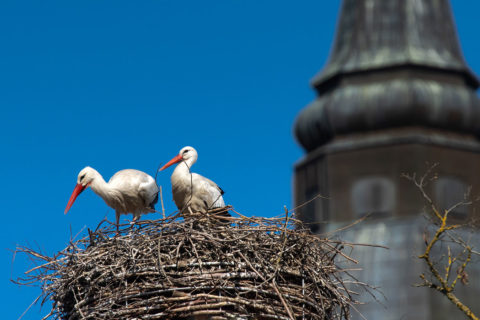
[(195, 267)]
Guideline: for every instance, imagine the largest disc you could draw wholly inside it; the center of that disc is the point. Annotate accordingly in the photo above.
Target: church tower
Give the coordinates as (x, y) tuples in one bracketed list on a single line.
[(394, 97)]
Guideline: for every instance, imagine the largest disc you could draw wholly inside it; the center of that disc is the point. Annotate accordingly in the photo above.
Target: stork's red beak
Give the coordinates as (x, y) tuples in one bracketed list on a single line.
[(177, 159), (78, 189)]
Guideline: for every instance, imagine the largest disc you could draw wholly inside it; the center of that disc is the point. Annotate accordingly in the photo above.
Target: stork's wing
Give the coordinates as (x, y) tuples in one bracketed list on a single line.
[(130, 179), (149, 192), (209, 191), (128, 176), (213, 185)]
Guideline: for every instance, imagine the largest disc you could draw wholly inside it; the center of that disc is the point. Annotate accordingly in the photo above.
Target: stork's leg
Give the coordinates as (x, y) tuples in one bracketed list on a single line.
[(117, 217), (134, 220)]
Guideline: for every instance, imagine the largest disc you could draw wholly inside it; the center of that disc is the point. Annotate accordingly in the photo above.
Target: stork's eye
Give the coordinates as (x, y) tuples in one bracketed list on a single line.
[(81, 178), (185, 151)]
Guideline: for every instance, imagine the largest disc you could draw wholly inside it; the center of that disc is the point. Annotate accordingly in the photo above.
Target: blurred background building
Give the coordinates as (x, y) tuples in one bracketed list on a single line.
[(394, 97)]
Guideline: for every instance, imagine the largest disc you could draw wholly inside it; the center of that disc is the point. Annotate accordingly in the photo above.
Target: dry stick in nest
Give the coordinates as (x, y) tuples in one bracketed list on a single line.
[(178, 267), (280, 256), (161, 201)]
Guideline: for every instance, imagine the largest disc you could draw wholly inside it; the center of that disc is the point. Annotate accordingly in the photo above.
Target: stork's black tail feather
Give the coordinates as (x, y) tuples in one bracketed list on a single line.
[(154, 202)]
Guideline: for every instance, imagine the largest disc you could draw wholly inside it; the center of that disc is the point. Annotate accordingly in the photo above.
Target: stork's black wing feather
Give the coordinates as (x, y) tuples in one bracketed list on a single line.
[(154, 202)]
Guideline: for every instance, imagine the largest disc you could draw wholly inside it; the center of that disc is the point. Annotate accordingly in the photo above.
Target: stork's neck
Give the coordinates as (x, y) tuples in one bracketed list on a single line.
[(100, 186), (182, 170)]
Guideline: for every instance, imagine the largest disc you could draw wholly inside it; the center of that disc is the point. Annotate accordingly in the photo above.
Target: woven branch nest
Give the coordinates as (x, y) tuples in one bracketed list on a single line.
[(196, 267)]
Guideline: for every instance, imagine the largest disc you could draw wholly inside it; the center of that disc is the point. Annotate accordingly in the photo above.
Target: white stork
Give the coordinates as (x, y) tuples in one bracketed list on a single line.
[(128, 191), (191, 190)]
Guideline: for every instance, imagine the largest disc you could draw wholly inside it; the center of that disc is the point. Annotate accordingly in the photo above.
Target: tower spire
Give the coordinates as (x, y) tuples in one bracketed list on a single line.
[(393, 64)]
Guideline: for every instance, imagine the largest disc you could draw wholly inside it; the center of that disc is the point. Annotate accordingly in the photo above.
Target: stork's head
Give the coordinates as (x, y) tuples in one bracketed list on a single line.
[(85, 177), (188, 154)]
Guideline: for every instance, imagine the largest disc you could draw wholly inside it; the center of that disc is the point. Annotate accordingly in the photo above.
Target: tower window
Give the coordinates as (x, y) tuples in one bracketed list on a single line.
[(373, 195)]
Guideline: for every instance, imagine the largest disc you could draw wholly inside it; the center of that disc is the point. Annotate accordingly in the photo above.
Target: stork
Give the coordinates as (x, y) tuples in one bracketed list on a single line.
[(128, 191), (191, 190)]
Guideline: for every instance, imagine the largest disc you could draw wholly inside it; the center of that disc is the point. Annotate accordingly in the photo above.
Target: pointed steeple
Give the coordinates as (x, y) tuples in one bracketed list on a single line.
[(393, 64)]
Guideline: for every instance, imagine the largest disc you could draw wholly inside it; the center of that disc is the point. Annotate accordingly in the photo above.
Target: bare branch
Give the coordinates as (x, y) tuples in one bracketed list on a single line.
[(439, 282)]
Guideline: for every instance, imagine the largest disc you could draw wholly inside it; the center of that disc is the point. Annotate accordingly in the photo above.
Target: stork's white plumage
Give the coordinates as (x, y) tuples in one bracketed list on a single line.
[(128, 191), (191, 189)]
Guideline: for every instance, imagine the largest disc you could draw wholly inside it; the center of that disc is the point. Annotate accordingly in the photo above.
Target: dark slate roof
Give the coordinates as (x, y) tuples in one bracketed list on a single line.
[(393, 63)]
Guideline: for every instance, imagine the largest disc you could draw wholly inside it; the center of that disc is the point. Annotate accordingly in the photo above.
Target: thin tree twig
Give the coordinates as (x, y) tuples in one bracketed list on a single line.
[(439, 282)]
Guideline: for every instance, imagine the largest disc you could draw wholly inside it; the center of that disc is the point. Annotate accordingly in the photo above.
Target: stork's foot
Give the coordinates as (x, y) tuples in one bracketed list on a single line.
[(134, 222)]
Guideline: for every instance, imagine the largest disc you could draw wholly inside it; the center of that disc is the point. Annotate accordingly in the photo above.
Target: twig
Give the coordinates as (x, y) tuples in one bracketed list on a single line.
[(28, 308), (443, 283), (161, 201)]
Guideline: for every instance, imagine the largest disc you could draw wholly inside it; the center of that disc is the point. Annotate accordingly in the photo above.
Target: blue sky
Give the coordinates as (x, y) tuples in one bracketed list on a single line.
[(126, 84)]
